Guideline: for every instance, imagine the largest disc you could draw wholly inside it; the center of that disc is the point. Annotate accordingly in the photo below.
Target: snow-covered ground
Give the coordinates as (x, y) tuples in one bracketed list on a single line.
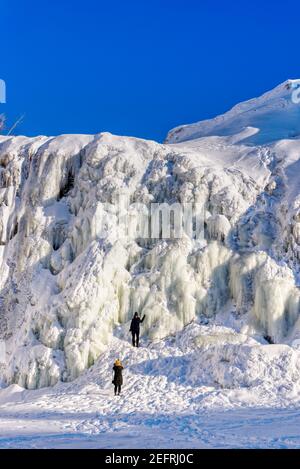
[(219, 364), (178, 393)]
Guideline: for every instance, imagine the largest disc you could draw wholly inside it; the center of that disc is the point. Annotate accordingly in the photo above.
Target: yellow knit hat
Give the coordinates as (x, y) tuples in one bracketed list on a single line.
[(118, 362)]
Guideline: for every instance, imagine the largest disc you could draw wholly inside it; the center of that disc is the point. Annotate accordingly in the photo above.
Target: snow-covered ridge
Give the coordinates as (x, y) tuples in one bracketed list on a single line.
[(274, 115), (65, 291)]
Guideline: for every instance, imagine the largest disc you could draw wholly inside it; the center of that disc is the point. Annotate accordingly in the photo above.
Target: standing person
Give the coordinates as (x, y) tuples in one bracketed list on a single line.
[(118, 376), (135, 329)]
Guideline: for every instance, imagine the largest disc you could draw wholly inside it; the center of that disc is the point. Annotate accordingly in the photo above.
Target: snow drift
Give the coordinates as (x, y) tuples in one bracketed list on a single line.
[(67, 288)]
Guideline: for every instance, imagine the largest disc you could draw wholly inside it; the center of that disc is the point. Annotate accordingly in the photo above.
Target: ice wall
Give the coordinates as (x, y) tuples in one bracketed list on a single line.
[(66, 287)]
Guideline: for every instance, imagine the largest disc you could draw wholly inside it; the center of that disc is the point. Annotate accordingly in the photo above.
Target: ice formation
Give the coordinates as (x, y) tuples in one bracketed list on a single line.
[(67, 287)]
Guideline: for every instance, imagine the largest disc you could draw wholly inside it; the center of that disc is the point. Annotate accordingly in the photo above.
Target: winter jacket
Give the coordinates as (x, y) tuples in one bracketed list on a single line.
[(118, 377), (135, 324)]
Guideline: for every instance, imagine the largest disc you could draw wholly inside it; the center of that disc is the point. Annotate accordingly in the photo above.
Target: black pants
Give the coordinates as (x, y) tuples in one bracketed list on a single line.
[(117, 388), (135, 338)]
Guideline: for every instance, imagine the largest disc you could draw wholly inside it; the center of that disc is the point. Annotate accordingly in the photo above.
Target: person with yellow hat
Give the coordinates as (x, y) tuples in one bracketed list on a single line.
[(118, 376)]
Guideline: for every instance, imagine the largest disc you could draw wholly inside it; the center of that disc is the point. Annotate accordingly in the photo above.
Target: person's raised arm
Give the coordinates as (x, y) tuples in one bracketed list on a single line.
[(143, 318)]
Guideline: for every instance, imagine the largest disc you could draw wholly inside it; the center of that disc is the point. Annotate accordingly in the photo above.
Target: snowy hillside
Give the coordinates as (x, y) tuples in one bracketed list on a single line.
[(68, 289), (235, 393), (274, 115)]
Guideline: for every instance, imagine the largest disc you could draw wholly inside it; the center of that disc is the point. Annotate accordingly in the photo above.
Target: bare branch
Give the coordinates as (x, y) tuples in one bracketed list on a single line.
[(18, 121)]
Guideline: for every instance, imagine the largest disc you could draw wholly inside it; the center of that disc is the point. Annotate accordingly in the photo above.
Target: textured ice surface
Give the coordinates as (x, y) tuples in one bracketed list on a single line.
[(66, 288)]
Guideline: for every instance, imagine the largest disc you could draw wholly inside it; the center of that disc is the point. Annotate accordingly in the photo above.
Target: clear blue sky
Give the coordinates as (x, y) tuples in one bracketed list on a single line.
[(140, 67)]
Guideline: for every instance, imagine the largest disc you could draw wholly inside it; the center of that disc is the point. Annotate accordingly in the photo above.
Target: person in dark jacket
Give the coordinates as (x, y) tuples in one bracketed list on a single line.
[(135, 329), (118, 376)]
